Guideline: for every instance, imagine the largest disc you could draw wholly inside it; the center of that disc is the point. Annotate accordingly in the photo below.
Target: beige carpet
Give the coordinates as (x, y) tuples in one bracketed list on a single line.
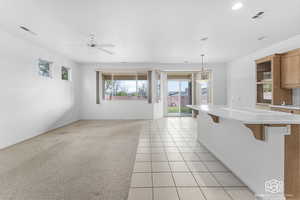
[(88, 160)]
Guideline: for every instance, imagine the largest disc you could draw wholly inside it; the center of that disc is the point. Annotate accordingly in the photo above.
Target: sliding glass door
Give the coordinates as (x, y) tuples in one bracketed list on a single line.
[(179, 96)]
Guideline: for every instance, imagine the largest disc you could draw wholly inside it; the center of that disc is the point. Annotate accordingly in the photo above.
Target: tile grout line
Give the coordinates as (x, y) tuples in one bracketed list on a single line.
[(212, 173), (198, 186), (172, 174), (193, 174), (151, 167), (159, 135)]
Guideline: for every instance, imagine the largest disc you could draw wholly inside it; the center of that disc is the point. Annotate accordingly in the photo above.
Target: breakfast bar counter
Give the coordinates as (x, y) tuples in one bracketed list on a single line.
[(261, 147), (249, 115)]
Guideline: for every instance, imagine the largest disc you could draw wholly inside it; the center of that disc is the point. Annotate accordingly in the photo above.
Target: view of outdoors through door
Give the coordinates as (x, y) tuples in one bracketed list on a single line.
[(179, 95)]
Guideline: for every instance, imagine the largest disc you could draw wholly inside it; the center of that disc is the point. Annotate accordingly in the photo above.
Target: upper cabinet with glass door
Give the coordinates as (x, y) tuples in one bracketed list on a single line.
[(268, 90)]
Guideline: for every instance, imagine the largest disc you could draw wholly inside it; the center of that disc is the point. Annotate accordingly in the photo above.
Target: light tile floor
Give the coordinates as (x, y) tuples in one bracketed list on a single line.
[(172, 165)]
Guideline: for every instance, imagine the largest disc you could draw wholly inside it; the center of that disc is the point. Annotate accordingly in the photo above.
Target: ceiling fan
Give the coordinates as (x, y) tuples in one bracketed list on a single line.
[(92, 43)]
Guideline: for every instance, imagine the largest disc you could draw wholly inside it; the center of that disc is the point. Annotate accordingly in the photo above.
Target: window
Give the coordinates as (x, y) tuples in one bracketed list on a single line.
[(65, 73), (125, 86), (45, 68)]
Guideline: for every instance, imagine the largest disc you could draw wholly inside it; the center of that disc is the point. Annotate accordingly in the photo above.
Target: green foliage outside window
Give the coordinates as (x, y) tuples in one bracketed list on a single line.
[(44, 68), (64, 73), (132, 89)]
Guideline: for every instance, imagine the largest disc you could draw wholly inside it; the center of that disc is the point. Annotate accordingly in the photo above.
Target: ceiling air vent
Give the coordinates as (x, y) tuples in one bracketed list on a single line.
[(262, 38), (258, 15), (27, 30)]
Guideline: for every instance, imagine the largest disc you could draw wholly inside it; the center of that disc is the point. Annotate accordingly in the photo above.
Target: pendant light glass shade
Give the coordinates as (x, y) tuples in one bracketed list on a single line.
[(204, 74)]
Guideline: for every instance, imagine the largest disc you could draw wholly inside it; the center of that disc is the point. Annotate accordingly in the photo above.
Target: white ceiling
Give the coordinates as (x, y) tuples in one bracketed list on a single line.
[(167, 31)]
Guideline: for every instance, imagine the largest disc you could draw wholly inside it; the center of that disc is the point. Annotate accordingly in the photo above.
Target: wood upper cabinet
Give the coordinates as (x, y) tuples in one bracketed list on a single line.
[(290, 69), (268, 84)]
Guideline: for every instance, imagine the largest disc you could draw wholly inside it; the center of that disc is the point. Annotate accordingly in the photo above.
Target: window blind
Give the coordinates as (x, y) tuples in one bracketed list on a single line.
[(138, 76), (179, 76)]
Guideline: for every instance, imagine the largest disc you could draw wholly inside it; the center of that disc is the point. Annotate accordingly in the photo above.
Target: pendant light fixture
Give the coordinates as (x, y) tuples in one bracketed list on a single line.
[(203, 73)]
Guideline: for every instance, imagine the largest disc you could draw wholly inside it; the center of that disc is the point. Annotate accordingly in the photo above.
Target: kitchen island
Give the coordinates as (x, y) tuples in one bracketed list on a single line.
[(261, 147)]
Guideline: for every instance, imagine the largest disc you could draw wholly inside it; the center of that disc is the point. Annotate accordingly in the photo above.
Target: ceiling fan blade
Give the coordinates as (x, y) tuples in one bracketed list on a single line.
[(104, 50), (106, 45)]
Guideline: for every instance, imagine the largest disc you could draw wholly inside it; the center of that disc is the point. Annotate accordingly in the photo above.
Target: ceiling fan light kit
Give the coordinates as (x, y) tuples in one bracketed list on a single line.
[(102, 47)]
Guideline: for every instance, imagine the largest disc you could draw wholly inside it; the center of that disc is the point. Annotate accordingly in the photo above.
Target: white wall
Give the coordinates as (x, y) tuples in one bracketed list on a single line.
[(219, 79), (29, 104), (158, 106), (241, 74), (137, 109)]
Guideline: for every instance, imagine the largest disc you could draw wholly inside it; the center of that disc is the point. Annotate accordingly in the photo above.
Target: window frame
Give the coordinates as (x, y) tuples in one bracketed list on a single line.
[(69, 71), (113, 92), (50, 72)]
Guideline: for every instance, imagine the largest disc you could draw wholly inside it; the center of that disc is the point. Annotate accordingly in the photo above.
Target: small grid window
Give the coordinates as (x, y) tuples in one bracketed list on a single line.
[(45, 68), (65, 73)]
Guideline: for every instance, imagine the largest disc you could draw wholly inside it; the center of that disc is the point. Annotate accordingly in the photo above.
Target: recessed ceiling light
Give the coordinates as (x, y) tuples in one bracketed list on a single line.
[(237, 6)]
